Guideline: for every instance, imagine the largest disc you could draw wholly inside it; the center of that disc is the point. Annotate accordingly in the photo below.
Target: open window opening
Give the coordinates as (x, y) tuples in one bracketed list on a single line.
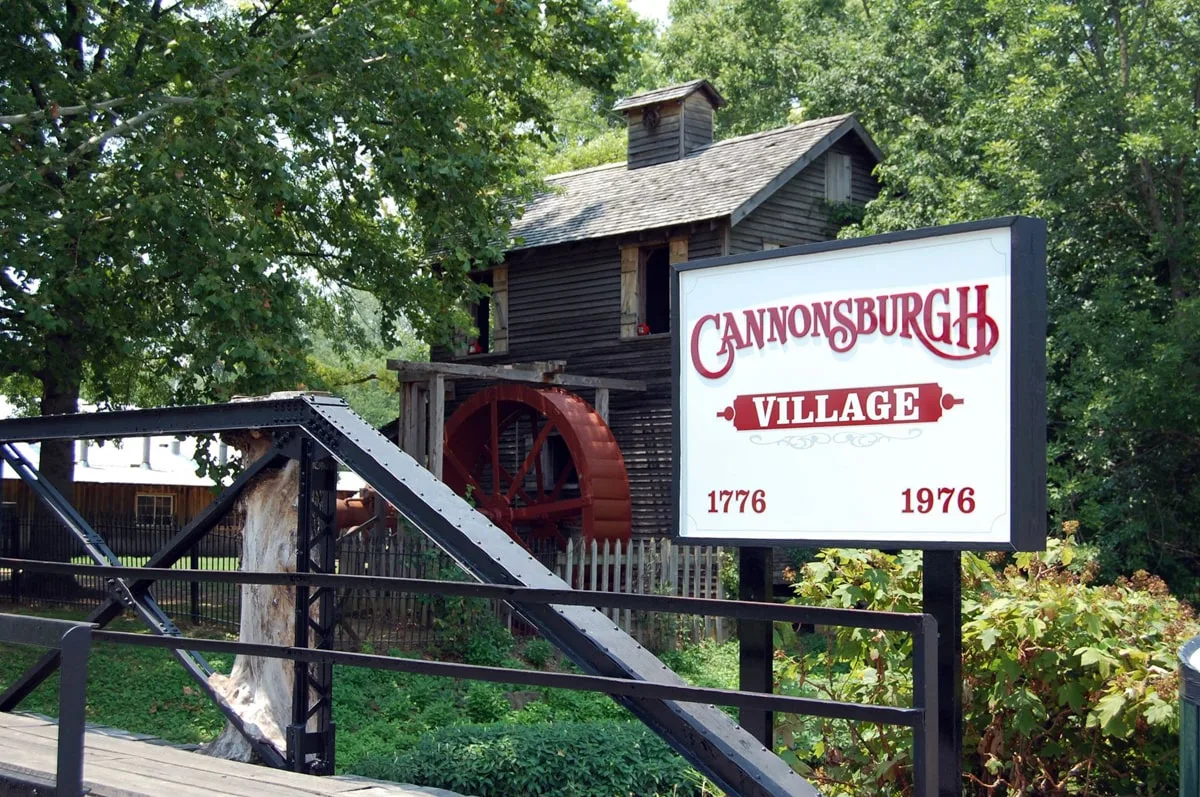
[(481, 317), (646, 286), (489, 315), (654, 314)]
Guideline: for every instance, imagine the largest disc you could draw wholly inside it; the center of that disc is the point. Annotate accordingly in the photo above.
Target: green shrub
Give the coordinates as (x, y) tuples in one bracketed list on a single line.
[(490, 643), (485, 702), (538, 652), (1070, 687), (565, 759)]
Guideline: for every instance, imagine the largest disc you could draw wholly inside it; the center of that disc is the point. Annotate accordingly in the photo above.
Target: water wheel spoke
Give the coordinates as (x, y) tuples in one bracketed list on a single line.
[(514, 486), (494, 408), (561, 481), (550, 510), (461, 470), (534, 451)]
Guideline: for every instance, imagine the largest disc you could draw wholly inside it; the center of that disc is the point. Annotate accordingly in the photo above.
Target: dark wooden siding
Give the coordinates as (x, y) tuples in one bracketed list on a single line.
[(92, 498), (648, 146), (796, 213), (697, 122)]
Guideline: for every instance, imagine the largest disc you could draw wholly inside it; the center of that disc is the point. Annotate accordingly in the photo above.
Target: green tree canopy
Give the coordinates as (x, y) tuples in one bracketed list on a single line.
[(1085, 114), (186, 184)]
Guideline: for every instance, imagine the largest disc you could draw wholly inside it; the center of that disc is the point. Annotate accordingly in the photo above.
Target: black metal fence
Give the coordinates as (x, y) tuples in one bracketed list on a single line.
[(45, 537), (376, 619)]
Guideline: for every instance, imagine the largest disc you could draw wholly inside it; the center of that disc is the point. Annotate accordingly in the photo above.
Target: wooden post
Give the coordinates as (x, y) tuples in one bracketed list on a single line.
[(604, 565), (637, 584), (422, 422), (568, 574), (437, 423), (409, 419), (602, 403), (593, 584)]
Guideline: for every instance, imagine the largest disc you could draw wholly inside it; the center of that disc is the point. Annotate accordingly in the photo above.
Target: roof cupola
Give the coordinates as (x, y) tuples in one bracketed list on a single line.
[(666, 124)]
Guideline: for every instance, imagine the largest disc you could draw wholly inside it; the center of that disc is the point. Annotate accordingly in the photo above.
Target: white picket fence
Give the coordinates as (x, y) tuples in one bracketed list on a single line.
[(649, 566)]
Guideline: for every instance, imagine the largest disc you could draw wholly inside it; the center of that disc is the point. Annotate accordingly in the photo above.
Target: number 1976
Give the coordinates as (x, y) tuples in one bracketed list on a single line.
[(927, 501), (726, 501)]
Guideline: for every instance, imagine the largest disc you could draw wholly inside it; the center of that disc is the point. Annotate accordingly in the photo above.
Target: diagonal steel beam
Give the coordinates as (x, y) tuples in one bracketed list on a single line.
[(166, 556), (135, 595), (703, 734)]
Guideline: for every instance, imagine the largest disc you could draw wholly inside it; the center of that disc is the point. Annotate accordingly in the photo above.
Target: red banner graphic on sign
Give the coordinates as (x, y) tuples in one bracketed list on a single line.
[(857, 406)]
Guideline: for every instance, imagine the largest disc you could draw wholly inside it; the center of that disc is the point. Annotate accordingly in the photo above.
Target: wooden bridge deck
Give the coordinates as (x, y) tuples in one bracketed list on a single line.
[(121, 767)]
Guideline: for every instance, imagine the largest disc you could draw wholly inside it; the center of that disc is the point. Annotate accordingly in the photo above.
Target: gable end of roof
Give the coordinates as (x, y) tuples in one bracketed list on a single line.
[(850, 125)]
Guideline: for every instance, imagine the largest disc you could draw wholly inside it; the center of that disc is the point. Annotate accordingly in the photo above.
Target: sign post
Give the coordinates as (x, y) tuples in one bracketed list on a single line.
[(756, 642), (884, 392)]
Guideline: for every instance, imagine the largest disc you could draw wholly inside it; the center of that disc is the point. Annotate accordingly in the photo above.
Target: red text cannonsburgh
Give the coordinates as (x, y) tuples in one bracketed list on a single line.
[(952, 323)]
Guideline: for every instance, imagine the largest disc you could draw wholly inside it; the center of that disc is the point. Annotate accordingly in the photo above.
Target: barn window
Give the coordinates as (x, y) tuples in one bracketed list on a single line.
[(155, 510), (837, 177), (490, 314), (646, 286), (654, 290)]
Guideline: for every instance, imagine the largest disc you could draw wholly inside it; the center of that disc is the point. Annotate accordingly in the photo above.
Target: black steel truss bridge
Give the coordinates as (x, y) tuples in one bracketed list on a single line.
[(320, 432)]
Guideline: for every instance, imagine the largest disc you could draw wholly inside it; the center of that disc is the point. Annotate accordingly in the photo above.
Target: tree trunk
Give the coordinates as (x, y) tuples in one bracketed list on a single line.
[(260, 689), (49, 540)]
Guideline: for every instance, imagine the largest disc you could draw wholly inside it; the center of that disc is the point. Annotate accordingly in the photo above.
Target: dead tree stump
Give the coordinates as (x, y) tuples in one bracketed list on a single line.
[(260, 689)]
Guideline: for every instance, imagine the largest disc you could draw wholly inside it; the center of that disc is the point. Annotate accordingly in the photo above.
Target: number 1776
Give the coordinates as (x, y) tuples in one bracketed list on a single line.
[(725, 502)]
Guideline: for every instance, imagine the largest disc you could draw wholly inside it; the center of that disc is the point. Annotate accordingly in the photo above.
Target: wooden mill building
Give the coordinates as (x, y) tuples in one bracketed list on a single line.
[(582, 301)]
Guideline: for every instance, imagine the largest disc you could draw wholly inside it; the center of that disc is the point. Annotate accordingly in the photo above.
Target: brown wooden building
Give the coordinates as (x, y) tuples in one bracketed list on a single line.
[(585, 295), (145, 481)]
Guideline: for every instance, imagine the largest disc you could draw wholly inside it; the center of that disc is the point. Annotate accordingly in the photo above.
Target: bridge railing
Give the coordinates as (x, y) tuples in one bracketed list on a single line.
[(73, 641), (920, 717)]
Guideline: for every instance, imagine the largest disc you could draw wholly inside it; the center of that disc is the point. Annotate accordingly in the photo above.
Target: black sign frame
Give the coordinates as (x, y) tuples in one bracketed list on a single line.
[(1027, 489)]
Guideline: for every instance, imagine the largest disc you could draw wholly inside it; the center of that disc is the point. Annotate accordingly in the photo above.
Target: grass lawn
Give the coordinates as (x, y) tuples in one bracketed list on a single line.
[(146, 691), (136, 689), (206, 562)]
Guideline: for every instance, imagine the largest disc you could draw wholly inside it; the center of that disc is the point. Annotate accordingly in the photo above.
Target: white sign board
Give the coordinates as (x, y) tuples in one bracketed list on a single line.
[(887, 391)]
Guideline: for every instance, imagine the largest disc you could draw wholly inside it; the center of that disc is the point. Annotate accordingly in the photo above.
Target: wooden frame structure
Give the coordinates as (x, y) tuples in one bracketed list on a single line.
[(424, 386)]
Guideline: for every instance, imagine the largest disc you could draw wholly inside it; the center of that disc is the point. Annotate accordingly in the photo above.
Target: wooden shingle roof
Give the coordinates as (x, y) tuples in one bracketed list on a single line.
[(671, 93), (728, 178)]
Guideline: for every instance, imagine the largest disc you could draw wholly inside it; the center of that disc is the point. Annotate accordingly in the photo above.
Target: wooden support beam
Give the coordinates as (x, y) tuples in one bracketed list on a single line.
[(413, 372), (602, 403), (410, 419), (437, 422), (422, 423)]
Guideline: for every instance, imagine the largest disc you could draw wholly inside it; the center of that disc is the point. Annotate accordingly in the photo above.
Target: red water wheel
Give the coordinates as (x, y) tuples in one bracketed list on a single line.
[(540, 464)]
